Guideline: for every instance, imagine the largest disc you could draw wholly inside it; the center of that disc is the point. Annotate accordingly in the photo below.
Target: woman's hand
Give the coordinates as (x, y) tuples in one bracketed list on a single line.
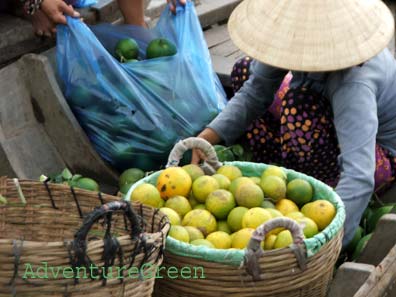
[(55, 10), (42, 25), (172, 4), (209, 135)]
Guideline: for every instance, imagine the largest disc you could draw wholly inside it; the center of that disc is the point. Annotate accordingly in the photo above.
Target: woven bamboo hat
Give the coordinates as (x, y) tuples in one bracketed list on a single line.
[(311, 35)]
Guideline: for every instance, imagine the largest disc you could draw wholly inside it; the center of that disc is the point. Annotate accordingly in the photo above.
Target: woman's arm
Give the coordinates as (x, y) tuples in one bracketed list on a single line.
[(356, 123), (251, 101), (132, 11)]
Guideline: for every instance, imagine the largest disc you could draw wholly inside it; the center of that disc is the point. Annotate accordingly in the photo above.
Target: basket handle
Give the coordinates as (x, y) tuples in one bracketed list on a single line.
[(209, 166), (108, 209), (254, 250), (112, 247)]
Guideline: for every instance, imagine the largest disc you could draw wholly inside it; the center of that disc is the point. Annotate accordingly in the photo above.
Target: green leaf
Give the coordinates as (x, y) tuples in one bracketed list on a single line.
[(224, 153), (237, 149), (42, 178), (247, 156), (76, 177), (66, 174), (58, 179), (3, 200)]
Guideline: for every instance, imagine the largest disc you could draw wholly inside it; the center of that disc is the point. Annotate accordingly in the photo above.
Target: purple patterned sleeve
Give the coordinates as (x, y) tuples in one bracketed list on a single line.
[(31, 6)]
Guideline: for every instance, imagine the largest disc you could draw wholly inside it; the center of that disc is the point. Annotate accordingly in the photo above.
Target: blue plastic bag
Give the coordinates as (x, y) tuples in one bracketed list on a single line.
[(134, 113)]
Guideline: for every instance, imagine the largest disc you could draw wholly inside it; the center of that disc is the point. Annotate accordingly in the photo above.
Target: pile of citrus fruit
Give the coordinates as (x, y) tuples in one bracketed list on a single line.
[(127, 49), (73, 180), (222, 211)]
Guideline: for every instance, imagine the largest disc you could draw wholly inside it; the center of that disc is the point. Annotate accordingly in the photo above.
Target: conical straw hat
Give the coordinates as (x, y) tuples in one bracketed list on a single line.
[(311, 35)]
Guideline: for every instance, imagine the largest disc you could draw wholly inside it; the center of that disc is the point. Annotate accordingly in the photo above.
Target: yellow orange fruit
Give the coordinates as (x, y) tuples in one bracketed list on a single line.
[(237, 182), (234, 218), (295, 215), (241, 238), (267, 204), (194, 233), (254, 217), (230, 171), (172, 215), (203, 186), (310, 228), (249, 195), (199, 206), (220, 203), (286, 206), (179, 233), (179, 204), (174, 181), (219, 239), (269, 241), (223, 181), (320, 211), (256, 180), (273, 170), (223, 226), (283, 239), (273, 187), (300, 191), (201, 219), (194, 171), (146, 194), (202, 242)]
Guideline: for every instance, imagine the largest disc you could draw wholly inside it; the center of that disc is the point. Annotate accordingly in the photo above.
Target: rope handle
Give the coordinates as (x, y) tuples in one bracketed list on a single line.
[(106, 210), (254, 250), (209, 166)]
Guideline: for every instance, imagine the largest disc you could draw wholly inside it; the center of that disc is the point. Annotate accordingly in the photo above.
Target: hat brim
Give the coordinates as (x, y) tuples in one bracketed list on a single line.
[(311, 35)]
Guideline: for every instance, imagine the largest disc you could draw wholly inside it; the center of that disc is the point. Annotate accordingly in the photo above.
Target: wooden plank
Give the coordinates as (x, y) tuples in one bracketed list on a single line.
[(216, 35), (209, 12), (213, 11), (224, 49), (223, 67), (381, 279), (235, 56), (390, 195), (349, 278), (384, 233)]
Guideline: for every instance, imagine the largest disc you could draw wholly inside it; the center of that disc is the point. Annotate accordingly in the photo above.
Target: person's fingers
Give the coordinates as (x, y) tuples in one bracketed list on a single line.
[(183, 2), (195, 157), (172, 7), (59, 19), (53, 30), (39, 33), (69, 10)]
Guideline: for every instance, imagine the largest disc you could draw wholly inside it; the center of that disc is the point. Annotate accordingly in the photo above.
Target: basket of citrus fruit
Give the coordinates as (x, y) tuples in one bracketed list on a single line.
[(242, 228)]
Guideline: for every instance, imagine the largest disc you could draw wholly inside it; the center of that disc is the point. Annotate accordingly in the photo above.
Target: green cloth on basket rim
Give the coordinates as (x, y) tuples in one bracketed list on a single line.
[(235, 257)]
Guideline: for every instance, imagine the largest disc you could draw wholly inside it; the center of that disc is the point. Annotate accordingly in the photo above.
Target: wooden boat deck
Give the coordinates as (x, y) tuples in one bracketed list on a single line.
[(223, 51)]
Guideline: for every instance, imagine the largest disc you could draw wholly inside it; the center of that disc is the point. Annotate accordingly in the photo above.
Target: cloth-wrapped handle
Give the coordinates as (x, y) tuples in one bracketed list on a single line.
[(254, 250), (211, 163)]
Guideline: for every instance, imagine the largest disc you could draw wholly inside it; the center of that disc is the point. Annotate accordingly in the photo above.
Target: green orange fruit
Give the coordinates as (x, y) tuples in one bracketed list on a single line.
[(160, 47), (126, 49)]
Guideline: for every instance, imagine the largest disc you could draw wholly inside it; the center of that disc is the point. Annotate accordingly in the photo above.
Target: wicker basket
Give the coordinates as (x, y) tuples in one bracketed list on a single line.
[(281, 275), (302, 270), (53, 227)]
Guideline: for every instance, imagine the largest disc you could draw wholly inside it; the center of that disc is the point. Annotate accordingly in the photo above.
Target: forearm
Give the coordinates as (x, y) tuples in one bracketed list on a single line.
[(132, 11), (356, 123), (355, 191), (249, 103)]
